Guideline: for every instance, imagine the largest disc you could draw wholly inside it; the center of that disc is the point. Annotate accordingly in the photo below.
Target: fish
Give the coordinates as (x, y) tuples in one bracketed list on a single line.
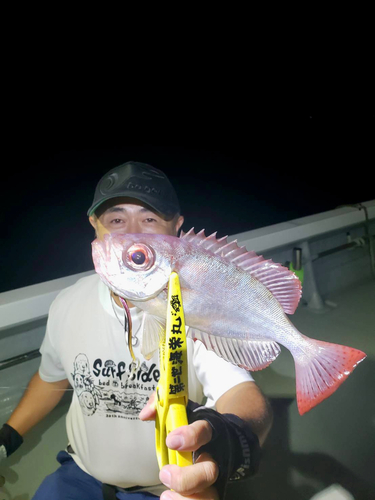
[(235, 302)]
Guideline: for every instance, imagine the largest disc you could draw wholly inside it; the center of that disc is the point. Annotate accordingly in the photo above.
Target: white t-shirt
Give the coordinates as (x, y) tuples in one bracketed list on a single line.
[(85, 343)]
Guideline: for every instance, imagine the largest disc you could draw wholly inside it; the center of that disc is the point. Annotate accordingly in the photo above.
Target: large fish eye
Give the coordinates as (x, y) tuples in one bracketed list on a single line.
[(138, 257)]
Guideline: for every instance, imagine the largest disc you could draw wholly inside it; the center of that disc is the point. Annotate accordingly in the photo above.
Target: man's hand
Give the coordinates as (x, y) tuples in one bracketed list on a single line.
[(10, 441), (194, 481)]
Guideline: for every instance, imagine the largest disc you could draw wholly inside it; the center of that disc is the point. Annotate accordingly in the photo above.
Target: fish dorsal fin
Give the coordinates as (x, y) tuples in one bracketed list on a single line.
[(252, 355), (280, 281), (153, 330)]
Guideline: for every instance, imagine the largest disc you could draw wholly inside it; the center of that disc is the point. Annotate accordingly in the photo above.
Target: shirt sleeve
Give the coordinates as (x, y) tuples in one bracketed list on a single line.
[(215, 374), (50, 369)]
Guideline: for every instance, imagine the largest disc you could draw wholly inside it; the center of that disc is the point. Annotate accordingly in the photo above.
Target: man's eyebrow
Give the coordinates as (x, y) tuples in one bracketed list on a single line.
[(122, 210), (115, 209)]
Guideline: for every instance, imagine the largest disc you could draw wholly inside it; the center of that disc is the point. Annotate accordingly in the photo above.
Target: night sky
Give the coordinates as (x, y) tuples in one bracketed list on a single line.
[(229, 179)]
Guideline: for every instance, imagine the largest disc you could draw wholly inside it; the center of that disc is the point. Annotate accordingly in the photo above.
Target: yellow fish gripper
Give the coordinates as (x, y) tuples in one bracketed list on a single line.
[(172, 389)]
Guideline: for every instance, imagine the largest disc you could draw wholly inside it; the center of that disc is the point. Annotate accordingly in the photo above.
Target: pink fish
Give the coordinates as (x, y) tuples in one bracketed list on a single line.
[(236, 299)]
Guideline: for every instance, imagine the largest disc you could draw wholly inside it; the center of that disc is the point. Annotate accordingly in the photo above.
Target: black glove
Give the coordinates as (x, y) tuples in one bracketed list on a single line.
[(234, 446), (10, 440)]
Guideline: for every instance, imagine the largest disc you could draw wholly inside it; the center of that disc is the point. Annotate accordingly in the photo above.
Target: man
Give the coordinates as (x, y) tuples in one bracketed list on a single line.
[(111, 440)]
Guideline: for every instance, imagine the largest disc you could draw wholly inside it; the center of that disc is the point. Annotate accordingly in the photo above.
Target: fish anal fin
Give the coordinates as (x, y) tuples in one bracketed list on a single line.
[(252, 355), (153, 330)]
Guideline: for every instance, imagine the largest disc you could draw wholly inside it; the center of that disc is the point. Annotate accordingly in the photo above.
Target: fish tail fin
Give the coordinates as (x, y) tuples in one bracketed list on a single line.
[(321, 370)]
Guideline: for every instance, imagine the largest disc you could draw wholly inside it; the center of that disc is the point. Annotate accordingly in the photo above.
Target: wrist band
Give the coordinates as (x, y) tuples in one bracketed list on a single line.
[(234, 446), (10, 440)]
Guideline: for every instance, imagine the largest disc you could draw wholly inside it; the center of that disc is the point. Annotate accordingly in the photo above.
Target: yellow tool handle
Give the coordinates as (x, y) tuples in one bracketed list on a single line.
[(160, 437), (172, 389), (177, 417)]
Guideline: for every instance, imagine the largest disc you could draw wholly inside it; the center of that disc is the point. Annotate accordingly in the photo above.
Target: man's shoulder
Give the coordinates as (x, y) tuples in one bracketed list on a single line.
[(83, 289)]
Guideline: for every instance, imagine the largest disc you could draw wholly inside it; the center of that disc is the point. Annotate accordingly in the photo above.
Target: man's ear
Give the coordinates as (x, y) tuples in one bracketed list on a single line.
[(93, 221), (100, 230), (179, 223)]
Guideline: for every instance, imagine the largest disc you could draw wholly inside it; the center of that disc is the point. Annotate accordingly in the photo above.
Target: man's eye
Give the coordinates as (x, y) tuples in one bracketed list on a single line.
[(150, 219), (116, 221)]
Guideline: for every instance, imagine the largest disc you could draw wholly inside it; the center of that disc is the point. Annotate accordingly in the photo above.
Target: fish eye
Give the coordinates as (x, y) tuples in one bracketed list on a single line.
[(139, 257)]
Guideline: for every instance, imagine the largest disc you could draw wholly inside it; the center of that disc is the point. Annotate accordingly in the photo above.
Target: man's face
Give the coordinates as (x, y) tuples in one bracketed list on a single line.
[(132, 217)]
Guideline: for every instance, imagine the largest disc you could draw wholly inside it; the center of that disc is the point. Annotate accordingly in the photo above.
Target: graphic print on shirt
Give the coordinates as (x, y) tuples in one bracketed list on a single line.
[(113, 390), (88, 395)]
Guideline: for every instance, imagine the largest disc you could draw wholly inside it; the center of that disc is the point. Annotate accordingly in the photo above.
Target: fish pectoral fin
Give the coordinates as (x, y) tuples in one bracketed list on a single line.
[(252, 355), (153, 329)]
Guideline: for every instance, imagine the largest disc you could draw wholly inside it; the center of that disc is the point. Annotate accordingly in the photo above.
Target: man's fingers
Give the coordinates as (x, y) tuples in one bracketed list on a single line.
[(190, 437), (149, 411), (192, 479), (208, 494)]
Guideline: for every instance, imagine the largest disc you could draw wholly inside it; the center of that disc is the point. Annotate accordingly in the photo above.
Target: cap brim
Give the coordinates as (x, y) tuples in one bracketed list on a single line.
[(169, 214)]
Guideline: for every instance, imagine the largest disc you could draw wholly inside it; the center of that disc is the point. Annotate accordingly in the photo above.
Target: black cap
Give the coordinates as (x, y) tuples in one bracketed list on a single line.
[(141, 181)]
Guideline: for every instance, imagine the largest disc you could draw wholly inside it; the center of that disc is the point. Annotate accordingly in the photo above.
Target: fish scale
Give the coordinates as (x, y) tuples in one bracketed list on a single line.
[(235, 302)]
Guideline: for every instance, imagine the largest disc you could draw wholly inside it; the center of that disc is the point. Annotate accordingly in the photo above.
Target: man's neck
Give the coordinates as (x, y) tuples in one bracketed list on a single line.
[(116, 298)]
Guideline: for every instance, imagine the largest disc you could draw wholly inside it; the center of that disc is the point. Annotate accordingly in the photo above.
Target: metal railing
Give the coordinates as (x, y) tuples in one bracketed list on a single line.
[(23, 306), (21, 358)]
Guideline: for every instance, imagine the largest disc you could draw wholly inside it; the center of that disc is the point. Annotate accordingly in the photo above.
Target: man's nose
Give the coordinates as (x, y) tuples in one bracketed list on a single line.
[(133, 227)]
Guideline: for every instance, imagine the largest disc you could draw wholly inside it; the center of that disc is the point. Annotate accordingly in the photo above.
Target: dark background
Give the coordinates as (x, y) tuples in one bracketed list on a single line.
[(231, 175)]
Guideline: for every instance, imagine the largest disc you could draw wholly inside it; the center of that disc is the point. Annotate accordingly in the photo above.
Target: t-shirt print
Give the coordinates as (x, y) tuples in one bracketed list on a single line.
[(113, 390)]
